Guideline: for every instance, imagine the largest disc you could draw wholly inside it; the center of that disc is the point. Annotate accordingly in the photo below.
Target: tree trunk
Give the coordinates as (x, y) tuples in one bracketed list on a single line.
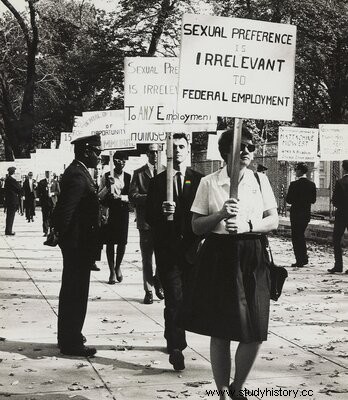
[(19, 130), (166, 9)]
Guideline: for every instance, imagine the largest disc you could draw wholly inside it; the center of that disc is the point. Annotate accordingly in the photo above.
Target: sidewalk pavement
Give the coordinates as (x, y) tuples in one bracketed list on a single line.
[(306, 349)]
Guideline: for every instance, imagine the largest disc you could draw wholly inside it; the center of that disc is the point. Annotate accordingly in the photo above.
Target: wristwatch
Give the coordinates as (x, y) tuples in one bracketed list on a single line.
[(250, 226)]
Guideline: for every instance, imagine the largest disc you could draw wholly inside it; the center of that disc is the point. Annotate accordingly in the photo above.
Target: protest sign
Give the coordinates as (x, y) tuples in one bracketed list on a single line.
[(150, 94), (236, 67), (297, 144), (157, 133), (23, 166), (65, 141), (110, 125), (333, 142), (213, 147)]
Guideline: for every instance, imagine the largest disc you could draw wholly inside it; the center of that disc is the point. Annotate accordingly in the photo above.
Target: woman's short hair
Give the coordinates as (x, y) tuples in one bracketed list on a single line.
[(226, 140), (120, 155)]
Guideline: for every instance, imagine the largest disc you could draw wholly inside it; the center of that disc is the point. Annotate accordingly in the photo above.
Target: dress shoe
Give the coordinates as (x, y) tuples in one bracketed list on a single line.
[(235, 396), (334, 270), (148, 299), (159, 293), (119, 275), (176, 358), (158, 288), (82, 351), (111, 281), (298, 265), (94, 267), (84, 340), (10, 233)]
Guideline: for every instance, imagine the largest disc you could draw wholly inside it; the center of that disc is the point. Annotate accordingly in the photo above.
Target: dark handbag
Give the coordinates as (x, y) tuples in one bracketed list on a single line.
[(52, 239), (277, 274)]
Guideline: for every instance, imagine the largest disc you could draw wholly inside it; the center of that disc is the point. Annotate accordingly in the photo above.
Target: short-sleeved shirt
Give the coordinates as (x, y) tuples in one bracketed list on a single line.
[(214, 190)]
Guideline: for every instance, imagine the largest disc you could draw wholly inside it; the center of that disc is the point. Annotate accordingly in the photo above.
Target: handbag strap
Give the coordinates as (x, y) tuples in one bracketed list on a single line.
[(265, 240)]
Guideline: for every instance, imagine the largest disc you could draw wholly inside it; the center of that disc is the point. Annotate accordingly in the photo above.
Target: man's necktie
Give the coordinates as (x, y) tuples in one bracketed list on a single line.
[(154, 172), (178, 184)]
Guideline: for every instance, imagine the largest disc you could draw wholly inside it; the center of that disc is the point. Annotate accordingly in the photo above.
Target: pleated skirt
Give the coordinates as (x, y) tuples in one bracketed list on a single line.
[(230, 292)]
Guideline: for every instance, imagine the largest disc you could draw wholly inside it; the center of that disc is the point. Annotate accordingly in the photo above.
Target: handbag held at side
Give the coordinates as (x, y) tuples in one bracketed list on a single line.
[(277, 274)]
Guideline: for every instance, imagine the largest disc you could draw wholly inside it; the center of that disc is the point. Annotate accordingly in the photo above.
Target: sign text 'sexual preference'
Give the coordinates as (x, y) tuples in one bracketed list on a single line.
[(236, 67)]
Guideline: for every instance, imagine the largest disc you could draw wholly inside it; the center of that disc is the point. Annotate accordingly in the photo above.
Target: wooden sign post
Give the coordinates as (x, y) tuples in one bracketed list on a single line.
[(234, 158), (170, 171), (112, 167)]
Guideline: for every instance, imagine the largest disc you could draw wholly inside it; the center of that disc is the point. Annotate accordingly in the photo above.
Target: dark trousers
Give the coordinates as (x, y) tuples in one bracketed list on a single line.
[(29, 205), (46, 218), (10, 214), (298, 227), (147, 250), (73, 298), (175, 278), (340, 226)]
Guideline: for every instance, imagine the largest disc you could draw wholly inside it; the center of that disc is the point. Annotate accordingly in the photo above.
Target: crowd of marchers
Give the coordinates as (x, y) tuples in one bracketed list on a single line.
[(202, 252)]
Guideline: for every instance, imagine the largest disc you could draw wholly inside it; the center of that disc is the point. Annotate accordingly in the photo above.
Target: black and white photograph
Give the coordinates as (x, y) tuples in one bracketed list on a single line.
[(173, 199)]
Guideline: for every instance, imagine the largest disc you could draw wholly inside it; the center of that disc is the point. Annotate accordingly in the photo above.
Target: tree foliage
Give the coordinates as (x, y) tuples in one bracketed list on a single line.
[(321, 82), (62, 57)]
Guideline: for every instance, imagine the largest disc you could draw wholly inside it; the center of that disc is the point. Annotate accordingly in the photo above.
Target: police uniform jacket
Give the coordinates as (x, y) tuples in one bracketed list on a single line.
[(76, 215), (12, 189)]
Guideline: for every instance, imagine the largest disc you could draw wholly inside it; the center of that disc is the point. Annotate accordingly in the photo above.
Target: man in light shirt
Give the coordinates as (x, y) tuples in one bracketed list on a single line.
[(137, 195)]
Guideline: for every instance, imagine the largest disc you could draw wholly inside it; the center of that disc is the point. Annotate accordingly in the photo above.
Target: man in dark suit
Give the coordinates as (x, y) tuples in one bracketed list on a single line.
[(12, 191), (76, 219), (29, 188), (301, 194), (340, 201), (44, 194), (174, 242), (137, 195)]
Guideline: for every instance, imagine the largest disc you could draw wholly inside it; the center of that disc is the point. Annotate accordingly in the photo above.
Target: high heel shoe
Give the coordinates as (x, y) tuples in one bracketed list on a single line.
[(234, 394), (119, 275)]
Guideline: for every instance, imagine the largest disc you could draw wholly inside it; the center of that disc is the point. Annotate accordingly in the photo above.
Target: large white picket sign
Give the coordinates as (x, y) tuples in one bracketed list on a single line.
[(298, 144), (150, 93), (236, 67), (333, 142)]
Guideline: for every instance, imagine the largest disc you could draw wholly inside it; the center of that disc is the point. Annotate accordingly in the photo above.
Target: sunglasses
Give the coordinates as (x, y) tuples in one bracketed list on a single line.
[(152, 151), (251, 147)]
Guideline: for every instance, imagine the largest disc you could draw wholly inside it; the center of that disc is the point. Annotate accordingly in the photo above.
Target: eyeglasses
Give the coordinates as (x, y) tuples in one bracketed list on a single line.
[(152, 151), (251, 147)]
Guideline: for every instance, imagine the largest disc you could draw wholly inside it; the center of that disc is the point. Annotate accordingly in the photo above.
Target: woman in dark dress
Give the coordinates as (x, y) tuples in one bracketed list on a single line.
[(113, 193), (230, 297)]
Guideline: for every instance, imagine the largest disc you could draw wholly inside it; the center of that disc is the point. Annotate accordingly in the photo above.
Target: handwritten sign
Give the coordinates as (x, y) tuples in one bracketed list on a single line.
[(109, 125), (157, 133), (65, 141), (333, 142), (151, 89), (297, 144), (236, 67)]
